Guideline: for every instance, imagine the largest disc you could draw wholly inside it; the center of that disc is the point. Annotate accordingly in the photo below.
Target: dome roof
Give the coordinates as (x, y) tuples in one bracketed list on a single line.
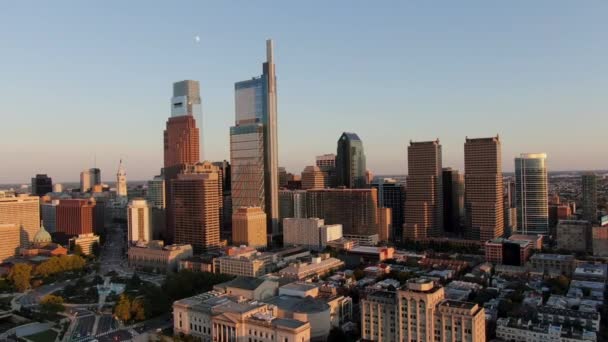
[(42, 236)]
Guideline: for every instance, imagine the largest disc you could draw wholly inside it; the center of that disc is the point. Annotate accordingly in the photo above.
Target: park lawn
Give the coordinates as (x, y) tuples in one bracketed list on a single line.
[(44, 336)]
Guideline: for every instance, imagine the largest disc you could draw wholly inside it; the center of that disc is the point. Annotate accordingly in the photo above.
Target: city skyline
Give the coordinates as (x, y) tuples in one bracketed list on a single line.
[(436, 81)]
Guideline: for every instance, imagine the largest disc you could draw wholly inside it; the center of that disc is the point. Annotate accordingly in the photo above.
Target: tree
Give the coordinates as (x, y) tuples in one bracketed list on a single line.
[(137, 310), (52, 304), (122, 310), (21, 275)]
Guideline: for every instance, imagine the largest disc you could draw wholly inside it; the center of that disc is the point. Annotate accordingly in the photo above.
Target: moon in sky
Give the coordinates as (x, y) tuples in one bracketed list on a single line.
[(197, 38)]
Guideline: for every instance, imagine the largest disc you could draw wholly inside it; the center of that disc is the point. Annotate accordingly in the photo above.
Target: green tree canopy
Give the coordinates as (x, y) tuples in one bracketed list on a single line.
[(20, 275)]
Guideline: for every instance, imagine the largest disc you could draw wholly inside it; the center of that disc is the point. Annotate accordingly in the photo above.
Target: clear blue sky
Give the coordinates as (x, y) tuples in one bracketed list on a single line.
[(81, 78)]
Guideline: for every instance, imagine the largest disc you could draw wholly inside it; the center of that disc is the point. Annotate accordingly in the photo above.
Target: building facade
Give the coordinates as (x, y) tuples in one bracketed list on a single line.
[(42, 185), (249, 227), (254, 144), (139, 221), (589, 197), (350, 161), (574, 235), (156, 256), (327, 164), (310, 232), (121, 181), (484, 209), (22, 211), (195, 210), (424, 201), (453, 200), (392, 195), (313, 178), (10, 241), (75, 217), (531, 194)]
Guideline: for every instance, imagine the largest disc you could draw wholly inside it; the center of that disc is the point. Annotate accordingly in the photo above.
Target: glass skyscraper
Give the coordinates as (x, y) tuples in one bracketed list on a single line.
[(531, 196), (254, 144), (350, 161)]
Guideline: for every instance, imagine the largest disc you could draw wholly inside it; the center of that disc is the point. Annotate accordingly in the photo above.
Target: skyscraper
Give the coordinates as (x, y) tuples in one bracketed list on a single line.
[(22, 211), (424, 203), (41, 185), (121, 181), (531, 193), (181, 139), (483, 188), (350, 162), (138, 219), (327, 164), (195, 207), (452, 200), (156, 192), (249, 227), (392, 195), (254, 144), (589, 194), (74, 217), (313, 178)]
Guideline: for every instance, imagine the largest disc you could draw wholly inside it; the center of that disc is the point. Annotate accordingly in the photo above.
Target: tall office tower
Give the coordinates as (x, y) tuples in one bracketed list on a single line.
[(589, 190), (254, 144), (226, 214), (57, 187), (392, 195), (350, 161), (74, 217), (355, 209), (424, 201), (249, 227), (181, 137), (327, 164), (453, 198), (385, 224), (10, 241), (48, 212), (483, 188), (532, 193), (85, 181), (510, 206), (292, 203), (283, 178), (369, 177), (313, 178), (156, 192), (41, 185), (121, 181), (195, 210), (138, 221), (95, 175), (417, 304), (23, 211)]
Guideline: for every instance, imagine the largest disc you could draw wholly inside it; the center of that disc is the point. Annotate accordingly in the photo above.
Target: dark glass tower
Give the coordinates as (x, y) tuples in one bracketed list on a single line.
[(453, 199), (392, 195), (350, 161), (41, 185)]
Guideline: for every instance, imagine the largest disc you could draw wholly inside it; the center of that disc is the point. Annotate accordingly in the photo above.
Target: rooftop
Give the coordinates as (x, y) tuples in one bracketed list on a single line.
[(297, 304), (245, 283), (554, 257), (458, 304)]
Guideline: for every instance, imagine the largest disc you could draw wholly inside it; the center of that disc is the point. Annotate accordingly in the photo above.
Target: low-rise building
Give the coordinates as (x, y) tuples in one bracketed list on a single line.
[(508, 252), (156, 256), (574, 235), (587, 320), (213, 316), (197, 263), (86, 242), (317, 267), (252, 265), (600, 241), (510, 329), (312, 233), (249, 288), (553, 263), (591, 272)]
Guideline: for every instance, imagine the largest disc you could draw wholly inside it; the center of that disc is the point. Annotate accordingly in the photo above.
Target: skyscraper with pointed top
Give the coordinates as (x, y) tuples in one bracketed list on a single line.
[(121, 181), (254, 144)]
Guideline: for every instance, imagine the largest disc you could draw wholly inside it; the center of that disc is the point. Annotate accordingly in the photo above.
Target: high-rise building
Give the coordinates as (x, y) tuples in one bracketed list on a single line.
[(74, 217), (282, 177), (589, 196), (424, 203), (57, 187), (531, 193), (254, 144), (138, 221), (48, 212), (156, 192), (121, 181), (355, 209), (181, 137), (292, 203), (10, 241), (453, 200), (41, 185), (195, 210), (350, 162), (327, 164), (249, 227), (385, 224), (313, 178), (226, 214), (312, 233), (483, 188), (89, 178), (392, 195), (23, 211)]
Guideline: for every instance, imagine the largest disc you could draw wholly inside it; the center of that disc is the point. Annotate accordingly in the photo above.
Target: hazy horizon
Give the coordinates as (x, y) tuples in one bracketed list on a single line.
[(84, 82)]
